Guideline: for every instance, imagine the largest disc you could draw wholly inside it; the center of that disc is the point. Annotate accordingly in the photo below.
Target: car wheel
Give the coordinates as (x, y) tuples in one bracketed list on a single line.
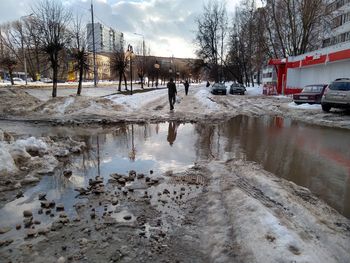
[(326, 107)]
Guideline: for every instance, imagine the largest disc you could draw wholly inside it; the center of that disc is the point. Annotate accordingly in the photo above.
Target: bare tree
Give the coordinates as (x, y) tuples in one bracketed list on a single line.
[(294, 26), (211, 35), (8, 62), (52, 21), (79, 52), (119, 64)]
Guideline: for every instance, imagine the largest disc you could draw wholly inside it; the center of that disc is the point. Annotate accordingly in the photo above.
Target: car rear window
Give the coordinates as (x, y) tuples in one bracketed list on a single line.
[(340, 86), (313, 89)]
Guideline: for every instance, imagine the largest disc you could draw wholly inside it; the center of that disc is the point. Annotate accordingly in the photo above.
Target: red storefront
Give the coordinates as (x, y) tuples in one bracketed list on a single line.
[(318, 67)]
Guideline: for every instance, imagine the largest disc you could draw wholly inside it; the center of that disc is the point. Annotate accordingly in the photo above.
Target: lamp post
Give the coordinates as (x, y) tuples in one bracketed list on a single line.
[(130, 54), (157, 66), (24, 54)]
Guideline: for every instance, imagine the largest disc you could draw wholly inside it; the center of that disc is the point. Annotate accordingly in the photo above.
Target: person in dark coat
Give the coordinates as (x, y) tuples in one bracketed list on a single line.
[(208, 84), (172, 93), (186, 84)]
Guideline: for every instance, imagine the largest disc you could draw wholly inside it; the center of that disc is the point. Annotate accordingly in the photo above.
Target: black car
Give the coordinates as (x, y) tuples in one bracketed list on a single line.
[(218, 88), (237, 88), (311, 94)]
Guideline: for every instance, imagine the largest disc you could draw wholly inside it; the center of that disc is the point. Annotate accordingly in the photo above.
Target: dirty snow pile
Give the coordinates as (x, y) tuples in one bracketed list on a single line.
[(137, 100), (33, 156)]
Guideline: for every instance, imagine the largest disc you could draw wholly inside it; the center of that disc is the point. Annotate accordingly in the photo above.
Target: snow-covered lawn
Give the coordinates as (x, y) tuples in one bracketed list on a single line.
[(137, 100)]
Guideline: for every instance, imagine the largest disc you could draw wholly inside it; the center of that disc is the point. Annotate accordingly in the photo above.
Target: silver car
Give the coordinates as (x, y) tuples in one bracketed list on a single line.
[(336, 95)]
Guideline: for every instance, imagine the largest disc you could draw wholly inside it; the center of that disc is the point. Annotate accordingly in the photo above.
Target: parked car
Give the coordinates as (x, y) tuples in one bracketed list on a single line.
[(46, 80), (18, 79), (237, 88), (310, 94), (337, 95), (218, 88)]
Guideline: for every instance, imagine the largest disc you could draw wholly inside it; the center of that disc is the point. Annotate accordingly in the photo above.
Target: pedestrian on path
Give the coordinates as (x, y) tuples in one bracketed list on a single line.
[(186, 84), (172, 93)]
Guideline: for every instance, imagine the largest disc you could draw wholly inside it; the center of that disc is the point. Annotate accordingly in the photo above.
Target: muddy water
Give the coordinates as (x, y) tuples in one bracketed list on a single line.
[(314, 157)]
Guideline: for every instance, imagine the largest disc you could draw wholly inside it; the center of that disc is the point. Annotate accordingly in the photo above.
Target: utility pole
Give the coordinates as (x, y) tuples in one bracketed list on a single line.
[(93, 44), (24, 54)]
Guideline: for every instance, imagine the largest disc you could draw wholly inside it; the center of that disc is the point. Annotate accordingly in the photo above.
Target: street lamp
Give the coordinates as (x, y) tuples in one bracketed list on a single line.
[(22, 43), (130, 55), (157, 66)]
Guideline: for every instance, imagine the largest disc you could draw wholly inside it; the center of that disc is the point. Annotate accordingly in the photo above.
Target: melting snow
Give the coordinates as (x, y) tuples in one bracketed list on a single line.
[(305, 106), (203, 97), (137, 100), (66, 103)]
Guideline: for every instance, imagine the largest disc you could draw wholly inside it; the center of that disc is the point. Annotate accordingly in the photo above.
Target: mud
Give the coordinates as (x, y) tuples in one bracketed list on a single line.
[(91, 110), (215, 207), (222, 212)]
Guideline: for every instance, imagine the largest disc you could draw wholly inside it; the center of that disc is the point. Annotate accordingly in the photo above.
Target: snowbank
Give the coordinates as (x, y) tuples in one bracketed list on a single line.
[(304, 106), (203, 96), (254, 91), (138, 100)]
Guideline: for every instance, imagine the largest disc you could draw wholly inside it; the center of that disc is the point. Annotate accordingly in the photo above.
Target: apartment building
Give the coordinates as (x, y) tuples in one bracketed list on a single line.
[(338, 29), (106, 38)]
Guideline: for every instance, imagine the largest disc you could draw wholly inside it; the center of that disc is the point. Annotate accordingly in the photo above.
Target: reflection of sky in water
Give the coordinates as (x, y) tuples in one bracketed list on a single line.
[(314, 157)]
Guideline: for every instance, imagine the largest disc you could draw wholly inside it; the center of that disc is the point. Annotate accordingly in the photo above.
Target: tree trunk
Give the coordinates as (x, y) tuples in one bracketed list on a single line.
[(54, 81), (11, 77), (120, 81), (81, 70)]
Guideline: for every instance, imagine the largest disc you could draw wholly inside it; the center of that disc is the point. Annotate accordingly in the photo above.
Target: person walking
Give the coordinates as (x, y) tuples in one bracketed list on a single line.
[(186, 84), (208, 84), (171, 93)]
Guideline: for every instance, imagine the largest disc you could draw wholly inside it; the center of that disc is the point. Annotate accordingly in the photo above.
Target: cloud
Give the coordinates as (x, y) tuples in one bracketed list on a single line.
[(167, 25)]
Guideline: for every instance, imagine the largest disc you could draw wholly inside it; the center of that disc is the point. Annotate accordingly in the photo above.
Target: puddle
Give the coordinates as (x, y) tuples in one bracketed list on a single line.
[(315, 157)]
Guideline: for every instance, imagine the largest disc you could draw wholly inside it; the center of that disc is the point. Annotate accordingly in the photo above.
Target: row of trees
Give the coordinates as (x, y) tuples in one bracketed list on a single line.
[(51, 36), (239, 47)]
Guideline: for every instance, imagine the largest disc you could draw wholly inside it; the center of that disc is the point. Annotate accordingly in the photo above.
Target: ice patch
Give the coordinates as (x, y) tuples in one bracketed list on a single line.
[(305, 106)]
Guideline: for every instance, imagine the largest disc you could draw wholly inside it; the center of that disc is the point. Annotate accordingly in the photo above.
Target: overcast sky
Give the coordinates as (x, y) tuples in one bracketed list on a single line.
[(167, 25)]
